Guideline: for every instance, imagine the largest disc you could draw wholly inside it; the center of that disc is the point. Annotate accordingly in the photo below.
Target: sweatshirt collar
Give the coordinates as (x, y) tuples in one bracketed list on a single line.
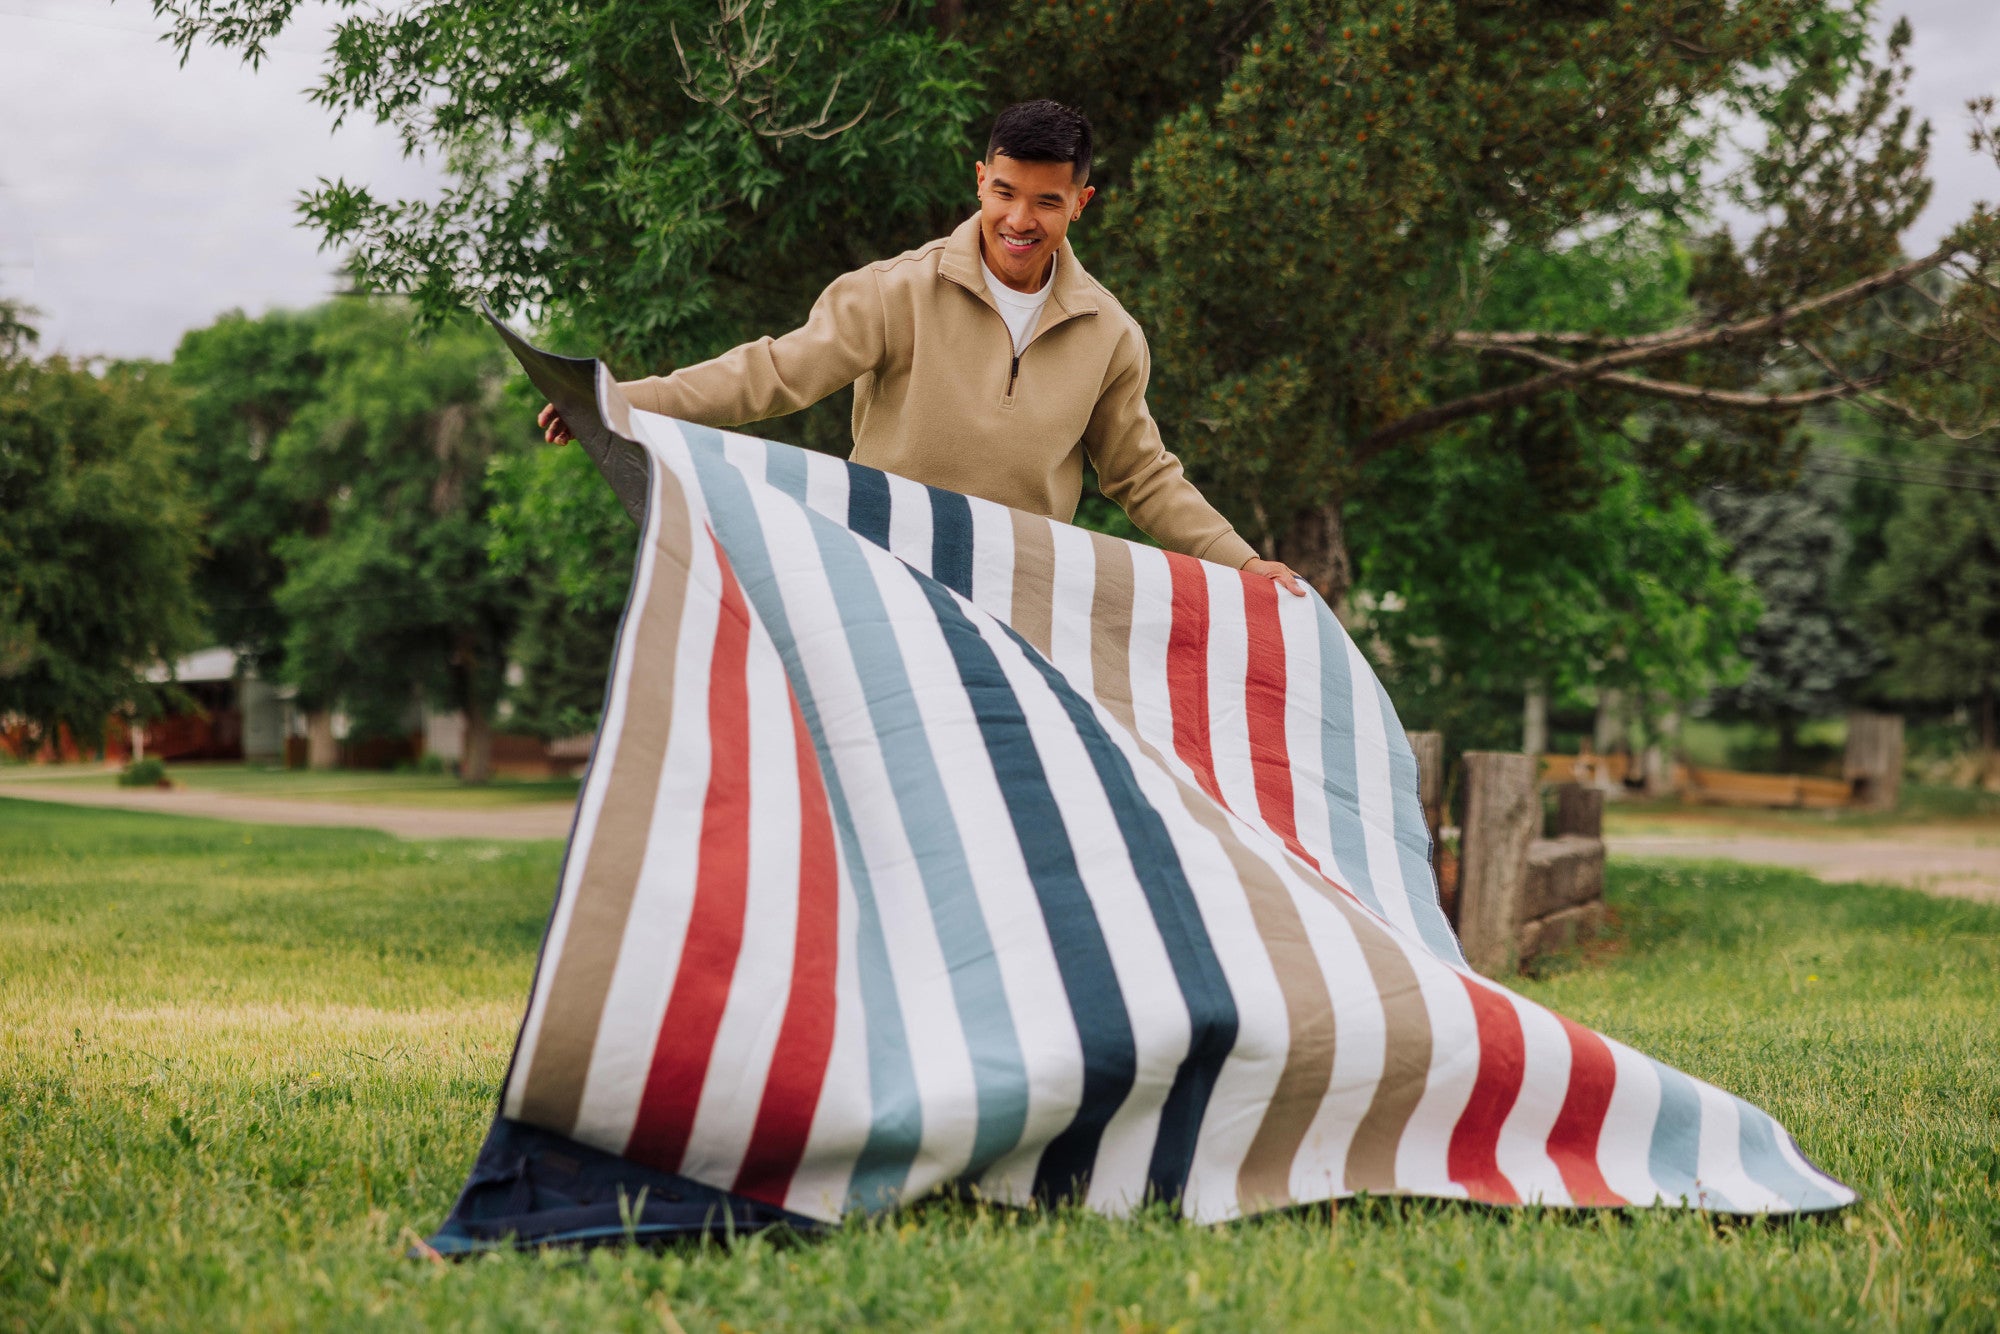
[(1071, 293)]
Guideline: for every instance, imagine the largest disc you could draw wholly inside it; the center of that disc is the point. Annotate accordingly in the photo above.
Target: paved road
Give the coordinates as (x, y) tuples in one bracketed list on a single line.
[(1947, 862), (542, 819)]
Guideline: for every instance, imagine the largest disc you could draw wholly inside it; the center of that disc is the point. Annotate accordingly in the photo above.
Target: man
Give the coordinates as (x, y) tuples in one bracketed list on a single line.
[(987, 362)]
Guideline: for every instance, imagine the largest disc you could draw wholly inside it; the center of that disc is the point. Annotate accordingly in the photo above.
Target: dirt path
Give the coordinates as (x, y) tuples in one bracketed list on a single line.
[(542, 819), (1938, 862)]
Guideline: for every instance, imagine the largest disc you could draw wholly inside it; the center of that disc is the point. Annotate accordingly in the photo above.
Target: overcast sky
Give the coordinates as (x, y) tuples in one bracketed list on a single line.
[(139, 199)]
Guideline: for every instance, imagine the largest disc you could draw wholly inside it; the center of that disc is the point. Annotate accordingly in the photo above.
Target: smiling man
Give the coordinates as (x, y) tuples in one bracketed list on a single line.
[(987, 362)]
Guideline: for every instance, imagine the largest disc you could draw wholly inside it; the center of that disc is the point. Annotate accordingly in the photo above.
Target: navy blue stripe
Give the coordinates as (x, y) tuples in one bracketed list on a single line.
[(868, 504), (951, 541), (1204, 987), (1104, 1028)]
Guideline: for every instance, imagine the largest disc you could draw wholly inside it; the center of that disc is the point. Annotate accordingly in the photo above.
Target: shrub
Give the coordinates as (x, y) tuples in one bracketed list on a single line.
[(149, 772)]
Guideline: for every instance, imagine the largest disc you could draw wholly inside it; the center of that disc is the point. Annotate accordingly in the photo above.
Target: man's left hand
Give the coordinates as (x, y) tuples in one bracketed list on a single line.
[(1279, 571)]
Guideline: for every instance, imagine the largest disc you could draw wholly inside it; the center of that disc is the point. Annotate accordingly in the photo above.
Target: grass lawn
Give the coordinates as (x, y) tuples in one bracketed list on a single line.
[(242, 1066), (347, 786), (1936, 809)]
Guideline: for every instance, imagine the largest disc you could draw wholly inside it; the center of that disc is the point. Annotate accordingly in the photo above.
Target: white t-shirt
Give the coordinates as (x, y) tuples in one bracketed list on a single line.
[(1021, 310)]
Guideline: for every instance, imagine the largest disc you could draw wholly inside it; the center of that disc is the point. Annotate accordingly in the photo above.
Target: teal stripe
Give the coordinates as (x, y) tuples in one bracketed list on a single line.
[(999, 1073), (1674, 1156), (1413, 838), (1343, 788), (895, 1126), (1766, 1164)]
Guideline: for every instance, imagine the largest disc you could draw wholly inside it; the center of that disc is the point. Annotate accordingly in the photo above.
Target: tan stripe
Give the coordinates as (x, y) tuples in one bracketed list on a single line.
[(610, 876), (1263, 1181), (1034, 581), (1406, 1052)]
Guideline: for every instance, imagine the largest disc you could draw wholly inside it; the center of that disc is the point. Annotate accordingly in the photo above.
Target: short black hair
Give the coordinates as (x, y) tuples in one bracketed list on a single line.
[(1043, 131)]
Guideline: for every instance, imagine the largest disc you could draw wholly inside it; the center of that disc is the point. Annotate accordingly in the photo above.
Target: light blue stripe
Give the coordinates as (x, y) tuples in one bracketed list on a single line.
[(1767, 1165), (999, 1073), (1674, 1156), (1413, 838), (1337, 758), (895, 1124)]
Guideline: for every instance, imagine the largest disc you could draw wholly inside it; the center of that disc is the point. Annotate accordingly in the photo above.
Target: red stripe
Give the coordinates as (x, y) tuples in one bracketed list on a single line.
[(1573, 1139), (1473, 1157), (1187, 671), (1264, 704), (805, 1039), (715, 925)]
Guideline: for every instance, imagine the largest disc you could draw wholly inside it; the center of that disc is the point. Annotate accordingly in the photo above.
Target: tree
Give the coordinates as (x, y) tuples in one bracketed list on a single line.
[(245, 380), (1304, 200), (97, 538), (1805, 656), (393, 595), (1934, 602)]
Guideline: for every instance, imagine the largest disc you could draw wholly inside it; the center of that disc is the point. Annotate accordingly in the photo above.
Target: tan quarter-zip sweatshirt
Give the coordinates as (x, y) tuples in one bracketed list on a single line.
[(941, 397)]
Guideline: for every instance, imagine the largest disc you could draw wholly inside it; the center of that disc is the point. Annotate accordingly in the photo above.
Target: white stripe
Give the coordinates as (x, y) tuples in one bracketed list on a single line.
[(1228, 719), (1360, 1050), (1720, 1157), (993, 559), (1523, 1150), (747, 455), (1626, 1141), (1071, 597), (910, 522), (760, 988), (1377, 795), (1422, 1156), (1304, 726), (826, 487)]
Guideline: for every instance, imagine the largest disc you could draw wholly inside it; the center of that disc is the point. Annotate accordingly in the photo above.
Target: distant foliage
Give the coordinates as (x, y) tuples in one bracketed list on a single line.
[(1806, 655), (98, 538)]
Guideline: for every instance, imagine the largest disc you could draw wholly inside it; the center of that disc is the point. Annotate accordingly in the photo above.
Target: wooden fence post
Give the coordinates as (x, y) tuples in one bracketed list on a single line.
[(1429, 749), (1874, 764), (1579, 811), (1503, 815)]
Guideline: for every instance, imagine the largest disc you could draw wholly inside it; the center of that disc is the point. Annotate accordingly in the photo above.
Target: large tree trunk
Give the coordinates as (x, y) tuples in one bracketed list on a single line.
[(1316, 546), (322, 751), (476, 764), (1989, 743)]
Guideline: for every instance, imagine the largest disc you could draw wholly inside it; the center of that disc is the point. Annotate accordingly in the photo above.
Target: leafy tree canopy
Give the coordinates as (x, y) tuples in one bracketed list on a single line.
[(97, 538)]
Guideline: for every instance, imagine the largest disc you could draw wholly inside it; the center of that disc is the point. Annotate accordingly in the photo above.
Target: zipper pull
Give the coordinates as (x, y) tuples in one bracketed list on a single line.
[(1013, 374)]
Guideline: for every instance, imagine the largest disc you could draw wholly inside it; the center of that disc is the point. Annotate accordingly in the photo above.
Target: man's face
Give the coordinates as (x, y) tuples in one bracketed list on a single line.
[(1024, 210)]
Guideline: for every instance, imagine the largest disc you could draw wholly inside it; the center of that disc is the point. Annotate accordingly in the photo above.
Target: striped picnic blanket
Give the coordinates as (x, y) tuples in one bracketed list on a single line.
[(928, 843)]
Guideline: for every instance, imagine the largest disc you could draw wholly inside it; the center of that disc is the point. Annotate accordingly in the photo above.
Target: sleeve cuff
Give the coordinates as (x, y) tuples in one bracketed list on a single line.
[(1230, 550)]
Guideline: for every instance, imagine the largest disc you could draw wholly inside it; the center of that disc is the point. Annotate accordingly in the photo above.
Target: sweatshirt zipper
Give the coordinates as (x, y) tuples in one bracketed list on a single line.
[(1013, 374)]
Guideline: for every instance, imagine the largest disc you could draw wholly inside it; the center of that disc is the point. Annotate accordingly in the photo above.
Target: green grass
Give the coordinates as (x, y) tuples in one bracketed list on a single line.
[(1932, 806), (347, 786), (241, 1067)]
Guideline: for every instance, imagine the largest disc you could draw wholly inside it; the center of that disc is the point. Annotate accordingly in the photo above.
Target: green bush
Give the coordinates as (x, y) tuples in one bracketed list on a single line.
[(149, 772)]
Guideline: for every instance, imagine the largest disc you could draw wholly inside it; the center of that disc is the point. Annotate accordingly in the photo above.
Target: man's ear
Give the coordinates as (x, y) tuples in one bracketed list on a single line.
[(979, 176), (1088, 193)]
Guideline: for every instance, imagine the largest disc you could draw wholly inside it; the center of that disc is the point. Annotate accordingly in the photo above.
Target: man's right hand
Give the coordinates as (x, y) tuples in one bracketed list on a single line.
[(553, 429)]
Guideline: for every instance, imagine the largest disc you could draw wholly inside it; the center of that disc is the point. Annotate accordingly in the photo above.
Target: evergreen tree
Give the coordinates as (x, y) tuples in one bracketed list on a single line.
[(1934, 602), (1805, 657)]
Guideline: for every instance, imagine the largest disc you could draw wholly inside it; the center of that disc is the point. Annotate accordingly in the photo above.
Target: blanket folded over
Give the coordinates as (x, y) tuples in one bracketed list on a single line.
[(929, 844)]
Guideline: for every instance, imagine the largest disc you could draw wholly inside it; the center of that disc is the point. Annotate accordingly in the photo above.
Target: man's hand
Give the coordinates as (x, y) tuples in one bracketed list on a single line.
[(1279, 571), (553, 429)]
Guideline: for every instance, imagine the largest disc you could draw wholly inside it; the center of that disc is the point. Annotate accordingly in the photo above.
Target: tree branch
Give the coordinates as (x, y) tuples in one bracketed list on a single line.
[(1690, 337), (1607, 368)]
